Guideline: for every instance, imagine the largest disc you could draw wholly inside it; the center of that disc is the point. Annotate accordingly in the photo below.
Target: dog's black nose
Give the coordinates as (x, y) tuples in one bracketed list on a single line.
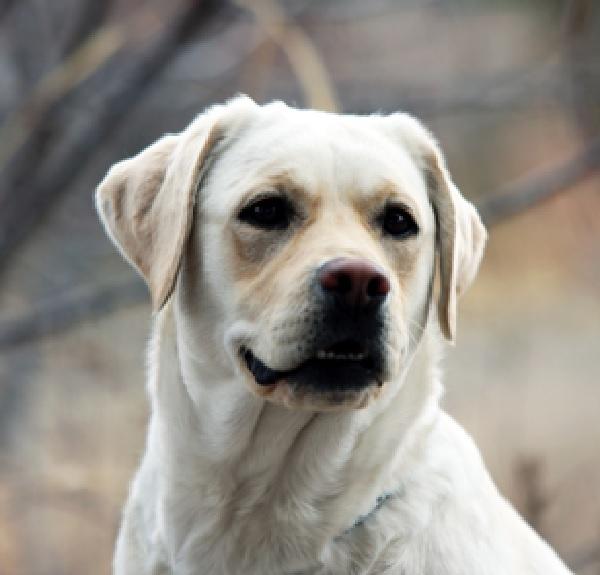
[(357, 284)]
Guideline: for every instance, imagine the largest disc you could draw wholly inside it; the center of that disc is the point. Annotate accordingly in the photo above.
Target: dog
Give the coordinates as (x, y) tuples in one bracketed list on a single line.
[(304, 269)]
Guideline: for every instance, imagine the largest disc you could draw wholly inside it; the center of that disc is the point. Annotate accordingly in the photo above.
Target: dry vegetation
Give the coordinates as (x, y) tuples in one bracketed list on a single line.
[(512, 89)]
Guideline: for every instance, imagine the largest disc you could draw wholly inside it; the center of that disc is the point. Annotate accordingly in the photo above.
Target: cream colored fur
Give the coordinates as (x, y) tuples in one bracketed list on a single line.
[(237, 479)]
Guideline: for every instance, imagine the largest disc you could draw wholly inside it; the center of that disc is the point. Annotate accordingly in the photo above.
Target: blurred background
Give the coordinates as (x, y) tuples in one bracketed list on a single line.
[(512, 90)]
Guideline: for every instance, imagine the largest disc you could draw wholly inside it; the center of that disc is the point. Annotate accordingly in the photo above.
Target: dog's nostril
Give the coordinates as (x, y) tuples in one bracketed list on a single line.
[(378, 286), (344, 283)]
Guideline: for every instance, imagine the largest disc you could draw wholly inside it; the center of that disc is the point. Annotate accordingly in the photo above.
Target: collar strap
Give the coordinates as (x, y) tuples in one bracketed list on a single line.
[(379, 503)]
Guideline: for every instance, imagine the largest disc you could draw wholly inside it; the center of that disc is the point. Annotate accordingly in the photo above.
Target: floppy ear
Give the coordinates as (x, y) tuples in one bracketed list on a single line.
[(146, 203), (461, 235)]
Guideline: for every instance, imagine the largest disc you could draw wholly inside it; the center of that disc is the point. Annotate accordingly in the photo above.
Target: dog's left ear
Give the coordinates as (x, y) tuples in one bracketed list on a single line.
[(146, 203), (461, 235)]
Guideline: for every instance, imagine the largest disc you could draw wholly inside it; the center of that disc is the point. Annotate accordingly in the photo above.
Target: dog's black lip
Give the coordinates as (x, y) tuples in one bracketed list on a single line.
[(265, 376)]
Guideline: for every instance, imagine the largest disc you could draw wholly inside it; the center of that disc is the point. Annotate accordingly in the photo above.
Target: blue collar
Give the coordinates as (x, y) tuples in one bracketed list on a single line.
[(379, 503)]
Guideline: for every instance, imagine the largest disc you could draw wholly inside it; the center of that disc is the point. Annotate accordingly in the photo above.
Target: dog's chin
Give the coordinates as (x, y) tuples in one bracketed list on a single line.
[(318, 383)]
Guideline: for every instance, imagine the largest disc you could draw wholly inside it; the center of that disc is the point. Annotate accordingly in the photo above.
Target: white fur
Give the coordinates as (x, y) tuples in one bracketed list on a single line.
[(233, 484)]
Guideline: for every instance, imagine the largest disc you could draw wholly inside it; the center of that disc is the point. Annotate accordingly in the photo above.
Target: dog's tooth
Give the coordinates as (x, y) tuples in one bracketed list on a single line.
[(322, 354)]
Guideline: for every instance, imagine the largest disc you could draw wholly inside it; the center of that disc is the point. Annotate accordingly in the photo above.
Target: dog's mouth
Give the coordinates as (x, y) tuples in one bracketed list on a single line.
[(343, 366)]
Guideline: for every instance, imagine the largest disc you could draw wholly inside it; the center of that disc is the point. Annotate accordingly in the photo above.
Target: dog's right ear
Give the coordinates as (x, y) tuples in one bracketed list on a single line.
[(461, 236), (146, 203)]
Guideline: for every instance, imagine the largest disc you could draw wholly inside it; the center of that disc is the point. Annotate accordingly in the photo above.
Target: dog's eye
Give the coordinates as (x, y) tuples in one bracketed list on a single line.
[(398, 222), (268, 213)]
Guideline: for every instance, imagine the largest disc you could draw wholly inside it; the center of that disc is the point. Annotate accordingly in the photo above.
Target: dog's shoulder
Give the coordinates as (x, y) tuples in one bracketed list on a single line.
[(461, 523)]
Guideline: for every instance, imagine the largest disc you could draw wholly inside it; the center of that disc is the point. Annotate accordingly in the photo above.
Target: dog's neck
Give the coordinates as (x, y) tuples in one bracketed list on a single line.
[(239, 471)]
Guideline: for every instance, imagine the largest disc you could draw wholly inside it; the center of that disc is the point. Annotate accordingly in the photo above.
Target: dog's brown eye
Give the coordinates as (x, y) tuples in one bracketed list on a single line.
[(398, 222), (268, 213)]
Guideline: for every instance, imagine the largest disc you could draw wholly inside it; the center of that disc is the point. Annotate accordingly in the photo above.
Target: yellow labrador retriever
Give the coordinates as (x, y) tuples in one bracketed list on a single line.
[(291, 256)]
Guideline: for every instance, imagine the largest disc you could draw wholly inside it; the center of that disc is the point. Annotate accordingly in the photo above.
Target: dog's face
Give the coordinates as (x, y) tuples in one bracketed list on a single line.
[(311, 259), (319, 237)]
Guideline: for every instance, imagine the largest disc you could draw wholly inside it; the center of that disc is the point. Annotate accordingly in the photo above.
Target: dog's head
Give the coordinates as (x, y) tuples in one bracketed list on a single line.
[(302, 244)]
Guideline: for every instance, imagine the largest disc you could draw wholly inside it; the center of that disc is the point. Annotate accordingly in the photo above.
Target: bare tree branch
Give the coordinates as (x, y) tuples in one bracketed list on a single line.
[(71, 309), (91, 16), (29, 193), (5, 6), (520, 196), (23, 123), (301, 52), (582, 91)]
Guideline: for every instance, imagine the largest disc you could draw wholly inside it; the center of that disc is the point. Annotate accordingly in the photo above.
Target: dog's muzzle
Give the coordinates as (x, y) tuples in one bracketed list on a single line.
[(350, 332)]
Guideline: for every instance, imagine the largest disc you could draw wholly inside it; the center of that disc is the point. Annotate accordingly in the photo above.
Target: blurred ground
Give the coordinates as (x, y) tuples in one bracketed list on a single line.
[(524, 378)]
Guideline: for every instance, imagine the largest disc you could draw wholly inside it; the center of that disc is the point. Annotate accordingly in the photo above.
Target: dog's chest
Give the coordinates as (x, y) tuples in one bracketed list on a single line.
[(241, 532)]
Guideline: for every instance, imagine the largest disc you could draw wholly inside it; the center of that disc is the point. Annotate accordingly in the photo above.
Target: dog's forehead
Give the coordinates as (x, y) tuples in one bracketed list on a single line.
[(328, 155)]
